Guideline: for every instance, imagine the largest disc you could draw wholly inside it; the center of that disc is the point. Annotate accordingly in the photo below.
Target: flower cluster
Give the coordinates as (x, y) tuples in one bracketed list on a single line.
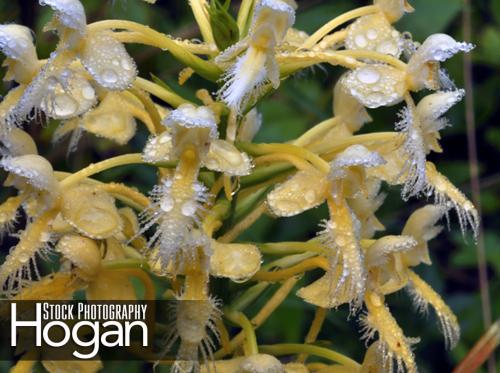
[(214, 182)]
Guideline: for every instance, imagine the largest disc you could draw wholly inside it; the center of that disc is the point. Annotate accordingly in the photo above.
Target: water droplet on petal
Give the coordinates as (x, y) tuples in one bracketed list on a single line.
[(167, 204), (189, 208), (88, 93), (372, 34), (360, 41), (64, 106), (109, 76), (368, 75)]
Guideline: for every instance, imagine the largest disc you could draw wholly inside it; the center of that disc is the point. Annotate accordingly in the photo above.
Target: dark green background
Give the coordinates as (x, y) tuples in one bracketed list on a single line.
[(299, 104)]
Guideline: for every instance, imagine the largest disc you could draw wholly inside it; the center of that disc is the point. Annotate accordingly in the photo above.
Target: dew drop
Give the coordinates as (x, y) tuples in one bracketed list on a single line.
[(126, 64), (23, 258), (360, 41), (368, 75), (167, 204), (372, 34), (189, 208), (109, 76), (88, 93), (310, 196), (388, 47), (64, 106)]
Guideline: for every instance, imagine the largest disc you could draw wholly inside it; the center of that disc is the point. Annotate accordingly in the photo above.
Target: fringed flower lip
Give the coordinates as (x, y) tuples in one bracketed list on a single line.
[(250, 71)]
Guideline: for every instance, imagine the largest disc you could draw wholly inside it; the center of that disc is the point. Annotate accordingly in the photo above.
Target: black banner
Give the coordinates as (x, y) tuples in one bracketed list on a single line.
[(87, 330)]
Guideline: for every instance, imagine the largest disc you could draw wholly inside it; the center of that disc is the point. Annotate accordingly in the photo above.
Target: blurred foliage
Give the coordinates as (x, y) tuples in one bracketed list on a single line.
[(303, 102)]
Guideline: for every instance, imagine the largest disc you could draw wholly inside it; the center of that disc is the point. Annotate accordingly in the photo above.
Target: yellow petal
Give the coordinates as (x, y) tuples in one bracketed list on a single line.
[(91, 211), (68, 97), (158, 148), (260, 363), (238, 262), (83, 253), (107, 60), (111, 120), (349, 109), (59, 286), (224, 157), (324, 291), (374, 33), (304, 191), (394, 9), (32, 169), (61, 366), (111, 285), (376, 85)]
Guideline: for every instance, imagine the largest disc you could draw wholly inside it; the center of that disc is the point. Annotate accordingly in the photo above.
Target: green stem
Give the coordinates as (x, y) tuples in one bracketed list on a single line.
[(240, 319), (248, 297), (262, 174)]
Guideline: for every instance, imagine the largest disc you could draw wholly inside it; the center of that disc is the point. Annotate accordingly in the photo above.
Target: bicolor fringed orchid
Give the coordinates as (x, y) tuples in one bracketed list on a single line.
[(191, 137), (346, 281), (61, 88), (255, 63), (213, 180)]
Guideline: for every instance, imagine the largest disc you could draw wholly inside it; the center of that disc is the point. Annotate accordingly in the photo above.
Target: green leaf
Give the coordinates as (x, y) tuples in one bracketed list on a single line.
[(493, 137), (495, 10), (430, 17), (489, 46)]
